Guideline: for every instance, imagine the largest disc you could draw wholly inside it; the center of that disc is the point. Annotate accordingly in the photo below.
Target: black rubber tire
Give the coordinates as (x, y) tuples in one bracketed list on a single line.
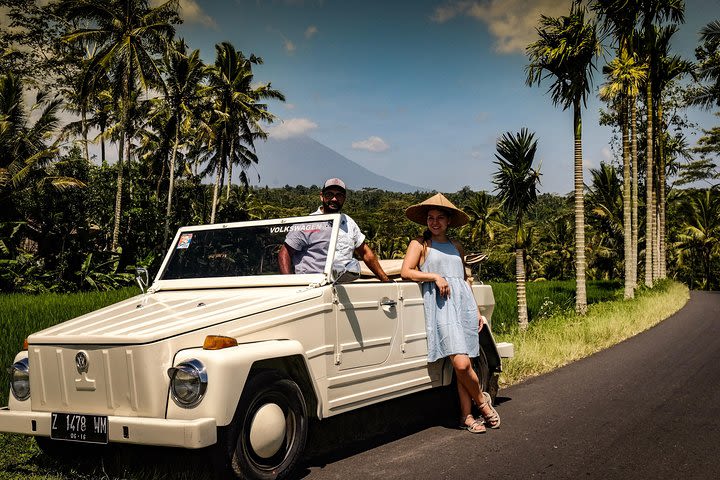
[(234, 444), (482, 370)]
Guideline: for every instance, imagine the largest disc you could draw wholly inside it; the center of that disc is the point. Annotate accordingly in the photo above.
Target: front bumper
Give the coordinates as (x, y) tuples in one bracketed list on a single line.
[(197, 433)]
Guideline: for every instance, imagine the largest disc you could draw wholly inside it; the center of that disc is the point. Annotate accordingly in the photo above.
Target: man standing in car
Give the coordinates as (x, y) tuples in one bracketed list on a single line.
[(309, 257)]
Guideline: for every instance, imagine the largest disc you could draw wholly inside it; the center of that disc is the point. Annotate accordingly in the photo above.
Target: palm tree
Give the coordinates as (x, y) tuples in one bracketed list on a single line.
[(605, 201), (516, 182), (128, 34), (234, 124), (565, 52), (558, 239), (701, 230), (652, 11), (485, 219), (707, 93), (670, 69), (624, 78), (184, 73), (620, 18), (24, 149)]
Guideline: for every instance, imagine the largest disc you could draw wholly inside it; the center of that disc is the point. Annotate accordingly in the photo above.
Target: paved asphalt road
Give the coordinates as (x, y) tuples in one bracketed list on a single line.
[(648, 408)]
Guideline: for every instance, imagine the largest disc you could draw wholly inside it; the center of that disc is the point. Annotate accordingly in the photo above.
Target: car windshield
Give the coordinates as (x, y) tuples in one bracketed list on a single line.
[(244, 249)]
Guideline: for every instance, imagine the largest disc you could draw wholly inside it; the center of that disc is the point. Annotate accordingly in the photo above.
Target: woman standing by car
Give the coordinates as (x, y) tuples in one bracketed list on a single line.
[(452, 318)]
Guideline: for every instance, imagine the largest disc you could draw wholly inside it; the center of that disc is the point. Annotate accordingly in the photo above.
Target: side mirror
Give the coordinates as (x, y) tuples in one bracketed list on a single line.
[(142, 277), (345, 273)]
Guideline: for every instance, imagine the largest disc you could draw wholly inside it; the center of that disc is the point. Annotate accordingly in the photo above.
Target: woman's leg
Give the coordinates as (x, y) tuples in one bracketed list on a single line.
[(468, 380), (465, 402)]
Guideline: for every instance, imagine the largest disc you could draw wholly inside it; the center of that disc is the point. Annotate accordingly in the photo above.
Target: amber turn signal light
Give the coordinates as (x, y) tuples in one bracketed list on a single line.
[(218, 342), (25, 344)]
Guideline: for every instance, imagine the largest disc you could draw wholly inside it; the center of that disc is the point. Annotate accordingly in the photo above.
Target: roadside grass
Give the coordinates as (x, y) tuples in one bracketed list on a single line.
[(560, 339), (546, 299), (556, 337)]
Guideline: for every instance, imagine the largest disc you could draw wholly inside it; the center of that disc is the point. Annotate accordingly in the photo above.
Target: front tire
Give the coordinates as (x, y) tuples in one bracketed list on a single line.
[(269, 429)]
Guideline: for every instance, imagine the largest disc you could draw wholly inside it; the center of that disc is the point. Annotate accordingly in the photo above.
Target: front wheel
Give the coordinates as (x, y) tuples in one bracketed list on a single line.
[(269, 430)]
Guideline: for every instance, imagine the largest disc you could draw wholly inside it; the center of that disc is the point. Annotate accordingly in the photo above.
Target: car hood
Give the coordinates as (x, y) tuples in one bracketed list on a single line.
[(151, 317)]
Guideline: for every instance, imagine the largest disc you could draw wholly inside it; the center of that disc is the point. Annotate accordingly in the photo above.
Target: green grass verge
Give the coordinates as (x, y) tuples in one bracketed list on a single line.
[(552, 342), (545, 299)]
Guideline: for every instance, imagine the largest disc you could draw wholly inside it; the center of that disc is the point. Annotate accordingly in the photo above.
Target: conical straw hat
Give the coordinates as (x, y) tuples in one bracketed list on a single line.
[(418, 213)]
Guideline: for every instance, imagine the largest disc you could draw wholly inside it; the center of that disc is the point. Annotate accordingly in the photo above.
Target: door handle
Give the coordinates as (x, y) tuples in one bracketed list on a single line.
[(388, 303)]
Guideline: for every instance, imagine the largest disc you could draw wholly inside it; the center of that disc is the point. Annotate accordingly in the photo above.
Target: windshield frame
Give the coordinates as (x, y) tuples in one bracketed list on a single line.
[(252, 280)]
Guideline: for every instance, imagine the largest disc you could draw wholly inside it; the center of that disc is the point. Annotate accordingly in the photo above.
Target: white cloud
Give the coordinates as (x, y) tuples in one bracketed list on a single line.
[(606, 154), (311, 31), (191, 12), (288, 45), (511, 22), (291, 127), (372, 144), (482, 117)]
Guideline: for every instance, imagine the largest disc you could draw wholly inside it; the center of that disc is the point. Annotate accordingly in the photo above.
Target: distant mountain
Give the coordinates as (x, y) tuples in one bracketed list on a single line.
[(304, 161)]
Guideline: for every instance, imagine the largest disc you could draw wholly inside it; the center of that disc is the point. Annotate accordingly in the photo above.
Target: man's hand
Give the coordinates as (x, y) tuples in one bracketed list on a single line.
[(367, 255)]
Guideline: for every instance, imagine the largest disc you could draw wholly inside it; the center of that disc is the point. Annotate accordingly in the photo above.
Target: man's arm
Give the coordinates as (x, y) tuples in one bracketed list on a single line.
[(285, 259), (367, 255)]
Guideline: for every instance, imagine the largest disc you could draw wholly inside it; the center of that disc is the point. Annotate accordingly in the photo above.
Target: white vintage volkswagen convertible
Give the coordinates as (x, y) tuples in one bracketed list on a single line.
[(223, 351)]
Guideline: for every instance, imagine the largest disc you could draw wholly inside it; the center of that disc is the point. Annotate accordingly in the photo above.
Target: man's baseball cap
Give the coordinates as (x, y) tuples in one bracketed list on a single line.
[(334, 182)]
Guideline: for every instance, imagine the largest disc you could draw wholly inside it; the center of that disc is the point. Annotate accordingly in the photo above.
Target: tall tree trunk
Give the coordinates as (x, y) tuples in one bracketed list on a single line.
[(118, 194), (171, 185), (103, 129), (230, 170), (662, 265), (216, 194), (634, 220), (627, 214), (649, 204), (103, 160), (85, 135), (218, 174), (125, 142), (656, 206), (521, 297), (581, 295)]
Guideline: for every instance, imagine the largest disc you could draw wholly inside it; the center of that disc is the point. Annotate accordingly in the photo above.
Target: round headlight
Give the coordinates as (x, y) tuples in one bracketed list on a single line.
[(20, 379), (188, 382)]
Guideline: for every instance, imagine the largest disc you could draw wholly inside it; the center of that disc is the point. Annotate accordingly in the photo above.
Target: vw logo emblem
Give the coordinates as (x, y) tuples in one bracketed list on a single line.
[(81, 362)]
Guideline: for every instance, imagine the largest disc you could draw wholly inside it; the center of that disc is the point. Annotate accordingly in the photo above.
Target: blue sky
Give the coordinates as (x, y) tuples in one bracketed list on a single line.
[(418, 91)]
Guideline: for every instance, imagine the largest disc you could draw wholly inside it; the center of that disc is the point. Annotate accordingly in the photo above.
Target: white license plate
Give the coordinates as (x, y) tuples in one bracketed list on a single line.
[(79, 427)]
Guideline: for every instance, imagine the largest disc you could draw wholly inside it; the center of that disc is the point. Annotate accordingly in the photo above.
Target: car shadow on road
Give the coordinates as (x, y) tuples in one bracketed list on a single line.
[(348, 434)]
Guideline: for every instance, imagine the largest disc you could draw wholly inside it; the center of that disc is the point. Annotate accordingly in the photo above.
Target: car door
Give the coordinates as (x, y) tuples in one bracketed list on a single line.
[(412, 320), (367, 322)]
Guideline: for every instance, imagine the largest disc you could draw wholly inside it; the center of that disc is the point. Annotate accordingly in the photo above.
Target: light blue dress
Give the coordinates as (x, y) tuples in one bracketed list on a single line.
[(451, 323)]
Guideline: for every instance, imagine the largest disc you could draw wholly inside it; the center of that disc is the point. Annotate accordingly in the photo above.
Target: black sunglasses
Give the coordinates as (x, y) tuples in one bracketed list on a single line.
[(330, 195)]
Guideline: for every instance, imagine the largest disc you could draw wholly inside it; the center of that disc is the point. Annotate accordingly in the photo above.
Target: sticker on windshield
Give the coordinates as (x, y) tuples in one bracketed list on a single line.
[(301, 227), (184, 241)]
